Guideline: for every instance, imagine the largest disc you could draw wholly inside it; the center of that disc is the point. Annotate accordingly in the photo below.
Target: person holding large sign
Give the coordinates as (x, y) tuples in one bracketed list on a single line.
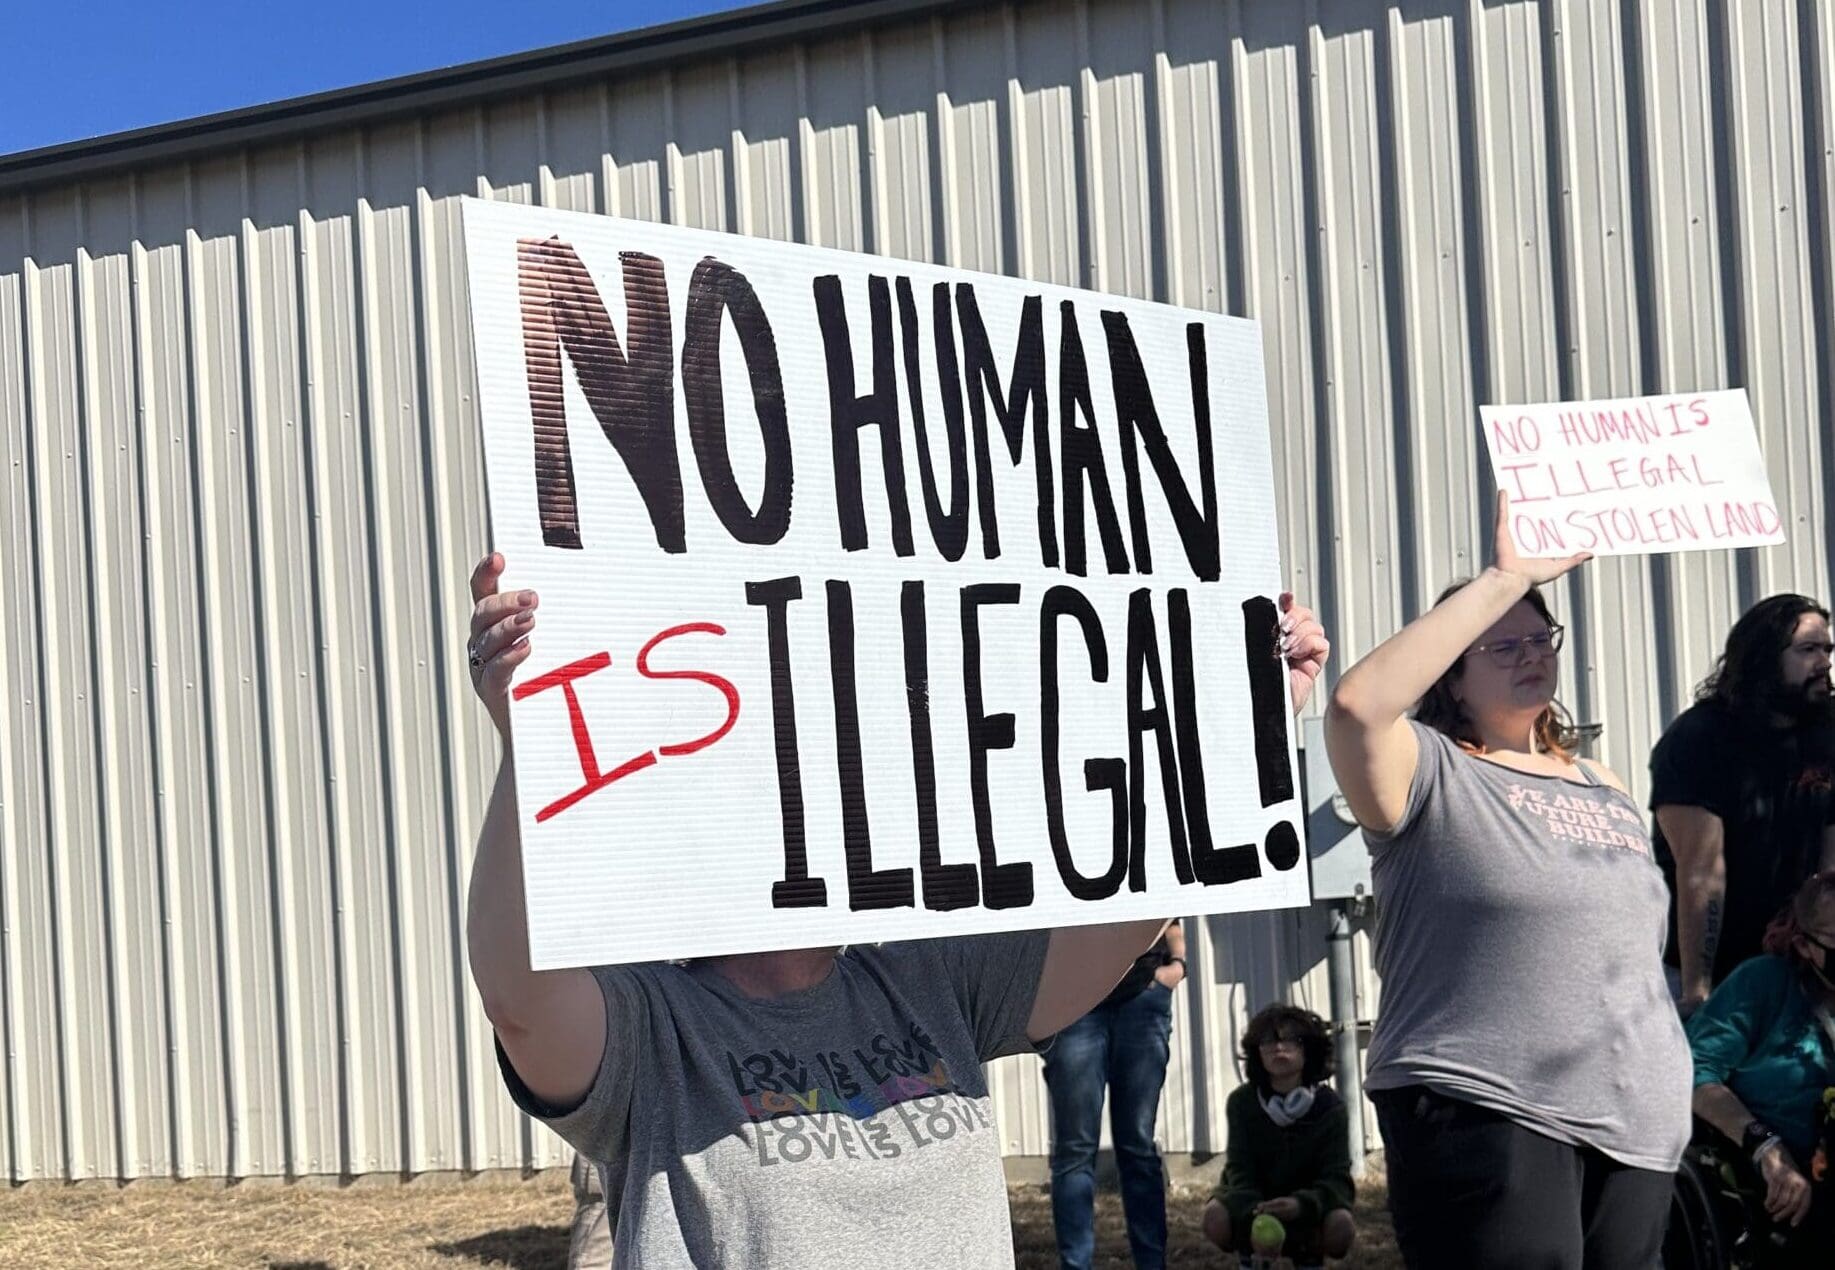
[(880, 602), (1529, 1073), (804, 1107)]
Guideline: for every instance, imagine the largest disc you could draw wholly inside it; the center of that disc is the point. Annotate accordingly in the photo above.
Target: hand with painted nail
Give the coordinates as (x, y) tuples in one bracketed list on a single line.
[(500, 626), (1304, 647)]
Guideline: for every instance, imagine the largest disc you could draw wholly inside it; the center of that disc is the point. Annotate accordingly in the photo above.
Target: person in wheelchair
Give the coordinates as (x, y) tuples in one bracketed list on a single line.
[(1764, 1049)]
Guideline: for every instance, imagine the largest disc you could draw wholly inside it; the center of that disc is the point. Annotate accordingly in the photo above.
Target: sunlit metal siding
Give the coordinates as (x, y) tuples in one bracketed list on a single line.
[(240, 767)]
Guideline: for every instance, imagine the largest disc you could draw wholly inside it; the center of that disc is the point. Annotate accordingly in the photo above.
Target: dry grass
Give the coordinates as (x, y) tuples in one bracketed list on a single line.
[(1035, 1248), (522, 1225), (518, 1225)]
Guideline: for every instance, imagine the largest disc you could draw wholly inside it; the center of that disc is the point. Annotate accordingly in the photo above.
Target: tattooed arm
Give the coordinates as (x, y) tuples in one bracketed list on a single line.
[(1697, 838)]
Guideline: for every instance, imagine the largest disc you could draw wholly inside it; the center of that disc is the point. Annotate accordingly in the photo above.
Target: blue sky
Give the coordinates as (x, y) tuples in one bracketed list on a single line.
[(85, 68)]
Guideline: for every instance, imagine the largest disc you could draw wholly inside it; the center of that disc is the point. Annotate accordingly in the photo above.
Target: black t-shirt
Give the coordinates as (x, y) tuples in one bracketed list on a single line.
[(1140, 974), (1771, 788)]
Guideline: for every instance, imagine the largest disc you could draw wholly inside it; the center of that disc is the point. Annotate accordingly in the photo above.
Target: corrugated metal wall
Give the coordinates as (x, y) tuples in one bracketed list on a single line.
[(240, 767)]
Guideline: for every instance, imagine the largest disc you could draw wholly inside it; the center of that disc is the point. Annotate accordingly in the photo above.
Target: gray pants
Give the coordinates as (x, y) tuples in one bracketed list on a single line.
[(590, 1244)]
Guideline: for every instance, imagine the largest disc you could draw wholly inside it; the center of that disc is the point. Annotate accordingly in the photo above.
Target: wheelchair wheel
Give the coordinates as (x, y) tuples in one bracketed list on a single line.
[(1697, 1238)]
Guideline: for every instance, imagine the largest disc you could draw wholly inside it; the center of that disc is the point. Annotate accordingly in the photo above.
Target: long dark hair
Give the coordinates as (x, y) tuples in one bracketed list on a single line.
[(1745, 678), (1315, 1043), (1441, 710)]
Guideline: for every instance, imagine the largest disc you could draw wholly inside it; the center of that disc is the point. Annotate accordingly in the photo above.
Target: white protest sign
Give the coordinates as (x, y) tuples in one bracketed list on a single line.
[(1636, 476), (878, 600)]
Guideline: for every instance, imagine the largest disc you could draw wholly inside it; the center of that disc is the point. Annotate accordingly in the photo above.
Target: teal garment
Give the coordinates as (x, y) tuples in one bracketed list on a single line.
[(1758, 1036)]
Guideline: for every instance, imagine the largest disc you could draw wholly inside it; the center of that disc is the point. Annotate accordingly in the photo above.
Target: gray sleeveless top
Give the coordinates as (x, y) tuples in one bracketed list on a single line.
[(1520, 922)]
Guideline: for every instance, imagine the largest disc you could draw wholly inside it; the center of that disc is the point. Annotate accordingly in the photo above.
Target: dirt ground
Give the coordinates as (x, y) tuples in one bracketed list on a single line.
[(449, 1226)]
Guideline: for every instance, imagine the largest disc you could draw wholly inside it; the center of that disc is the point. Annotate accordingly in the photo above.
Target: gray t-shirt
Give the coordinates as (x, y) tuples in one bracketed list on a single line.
[(1519, 936), (848, 1124)]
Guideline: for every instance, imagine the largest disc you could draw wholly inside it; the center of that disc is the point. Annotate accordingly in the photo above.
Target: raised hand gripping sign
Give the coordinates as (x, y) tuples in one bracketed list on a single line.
[(879, 600), (1636, 476)]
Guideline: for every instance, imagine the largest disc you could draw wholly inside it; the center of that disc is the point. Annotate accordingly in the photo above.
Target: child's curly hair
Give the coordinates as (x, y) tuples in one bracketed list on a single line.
[(1315, 1043)]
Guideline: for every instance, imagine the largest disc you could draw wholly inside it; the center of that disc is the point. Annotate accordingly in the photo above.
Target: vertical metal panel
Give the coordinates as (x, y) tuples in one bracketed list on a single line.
[(1431, 299), (832, 128), (1344, 56), (1772, 232), (1194, 115), (1612, 664), (1681, 282), (29, 970), (1045, 71), (13, 709), (236, 681), (765, 125), (124, 737), (973, 153), (184, 843), (1270, 186), (56, 301), (303, 840), (240, 766), (900, 83), (342, 559), (699, 122), (485, 1129), (1117, 81), (409, 635)]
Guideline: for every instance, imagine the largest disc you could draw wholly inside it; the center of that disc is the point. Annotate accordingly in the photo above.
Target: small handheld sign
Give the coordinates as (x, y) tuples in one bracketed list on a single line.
[(1637, 476), (879, 600)]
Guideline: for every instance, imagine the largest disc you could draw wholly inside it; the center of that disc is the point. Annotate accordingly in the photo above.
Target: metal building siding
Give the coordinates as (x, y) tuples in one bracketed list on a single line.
[(240, 766)]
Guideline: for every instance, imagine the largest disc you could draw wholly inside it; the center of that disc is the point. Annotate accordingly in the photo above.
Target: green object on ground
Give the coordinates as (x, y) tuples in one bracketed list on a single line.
[(1266, 1234)]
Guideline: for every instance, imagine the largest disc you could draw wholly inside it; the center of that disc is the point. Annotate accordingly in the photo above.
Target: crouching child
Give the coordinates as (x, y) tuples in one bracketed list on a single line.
[(1288, 1157)]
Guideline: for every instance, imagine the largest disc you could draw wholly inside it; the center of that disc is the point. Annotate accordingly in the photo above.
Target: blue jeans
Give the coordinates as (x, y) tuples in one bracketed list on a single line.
[(1122, 1048)]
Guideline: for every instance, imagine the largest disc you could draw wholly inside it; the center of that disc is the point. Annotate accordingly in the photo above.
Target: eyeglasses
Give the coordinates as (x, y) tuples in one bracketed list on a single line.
[(1505, 653), (1286, 1038)]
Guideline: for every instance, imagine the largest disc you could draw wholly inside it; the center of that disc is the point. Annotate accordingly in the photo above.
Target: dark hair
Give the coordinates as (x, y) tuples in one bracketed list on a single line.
[(1315, 1043), (1441, 710), (1798, 916), (1746, 673)]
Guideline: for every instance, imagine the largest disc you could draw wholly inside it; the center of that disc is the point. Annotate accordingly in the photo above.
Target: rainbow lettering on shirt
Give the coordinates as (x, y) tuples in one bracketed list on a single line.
[(766, 1104)]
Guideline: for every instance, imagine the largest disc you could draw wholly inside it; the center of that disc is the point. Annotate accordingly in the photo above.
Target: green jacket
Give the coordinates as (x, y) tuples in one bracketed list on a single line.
[(1310, 1161)]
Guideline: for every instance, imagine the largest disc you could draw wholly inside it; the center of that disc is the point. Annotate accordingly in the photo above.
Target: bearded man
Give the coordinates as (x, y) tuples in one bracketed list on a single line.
[(1743, 788)]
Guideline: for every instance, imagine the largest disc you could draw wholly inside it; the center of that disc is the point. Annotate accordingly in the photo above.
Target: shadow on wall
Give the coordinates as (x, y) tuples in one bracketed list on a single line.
[(1270, 954)]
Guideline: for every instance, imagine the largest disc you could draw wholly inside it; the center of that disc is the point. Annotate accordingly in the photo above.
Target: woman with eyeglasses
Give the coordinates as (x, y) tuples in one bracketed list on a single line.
[(1764, 1046), (1529, 1073)]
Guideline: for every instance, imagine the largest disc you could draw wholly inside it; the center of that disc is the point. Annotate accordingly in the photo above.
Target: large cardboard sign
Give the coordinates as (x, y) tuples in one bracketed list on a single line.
[(878, 600), (1636, 476)]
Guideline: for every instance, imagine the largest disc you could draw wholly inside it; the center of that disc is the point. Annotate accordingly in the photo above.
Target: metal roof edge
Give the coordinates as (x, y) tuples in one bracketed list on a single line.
[(466, 84)]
